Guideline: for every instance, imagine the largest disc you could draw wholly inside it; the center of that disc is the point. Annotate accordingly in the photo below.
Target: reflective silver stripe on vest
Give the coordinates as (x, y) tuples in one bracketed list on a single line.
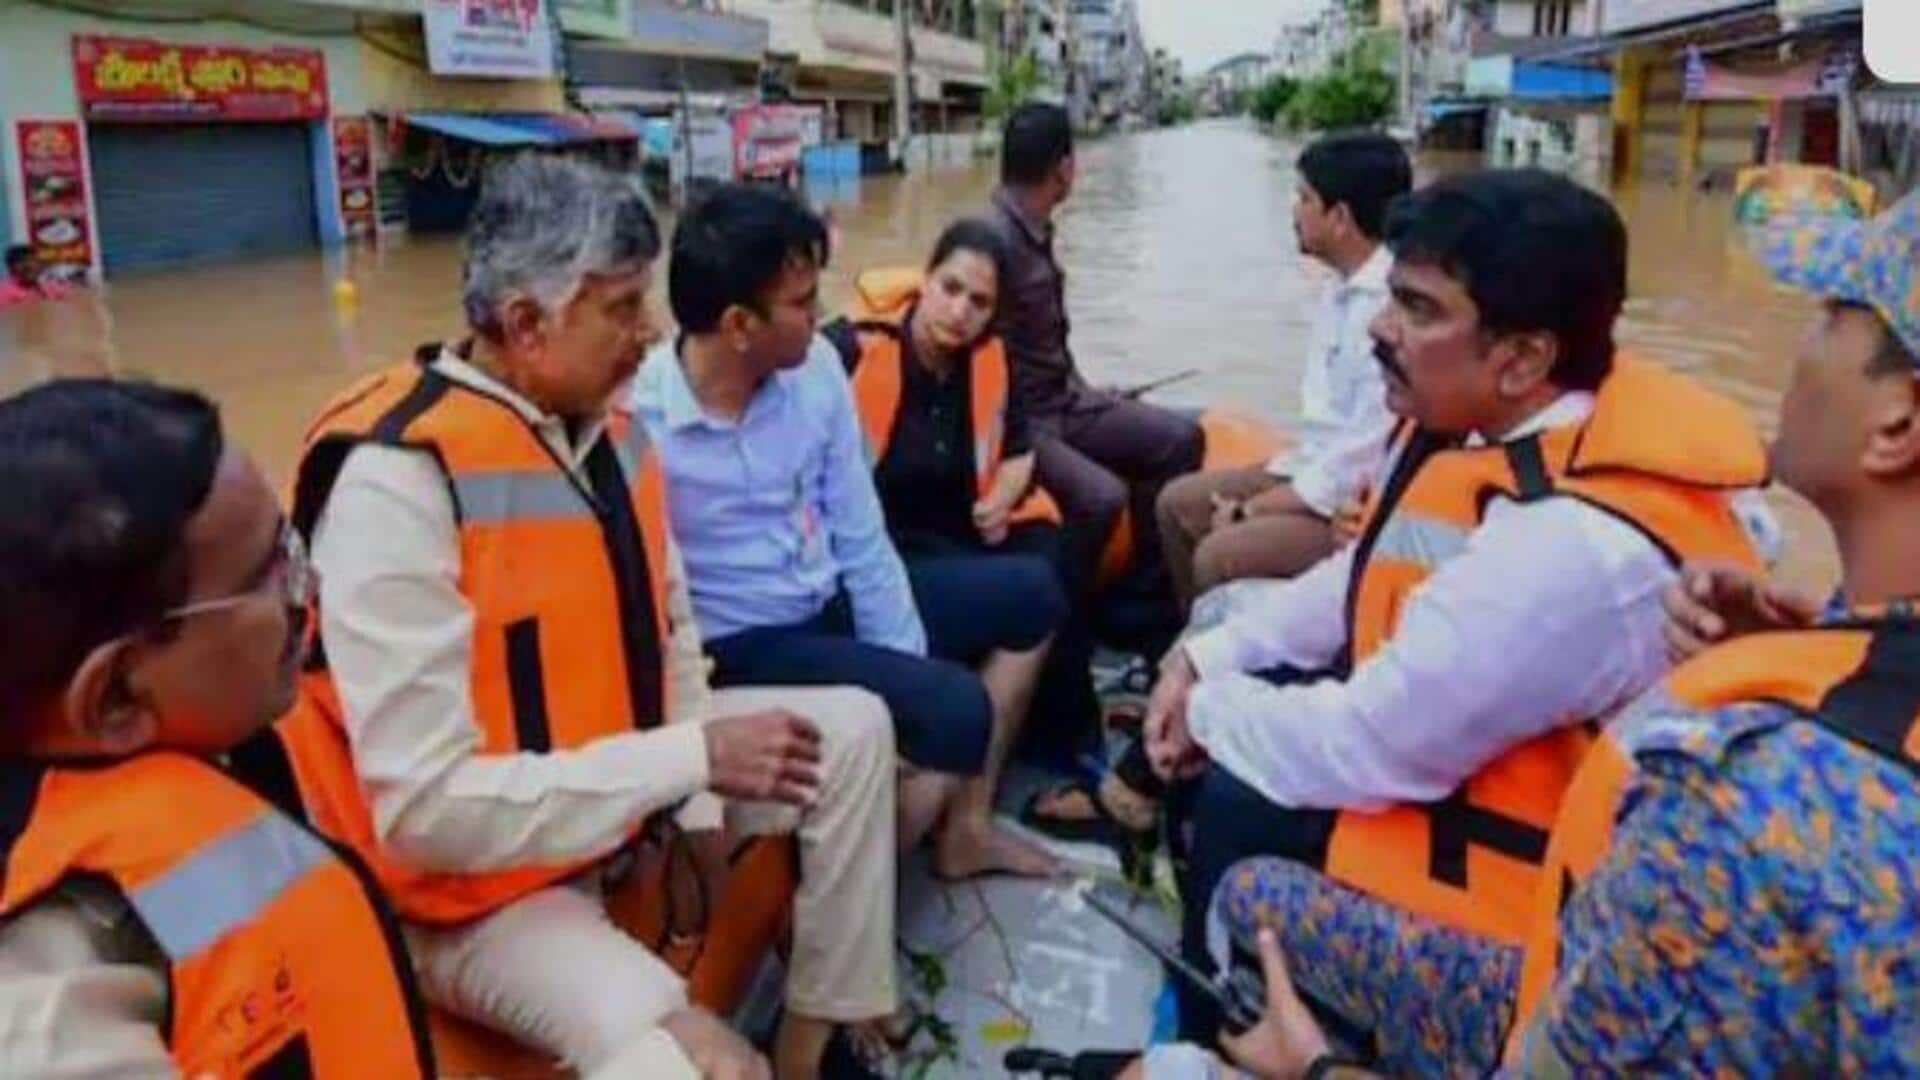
[(494, 498), (226, 884), (1423, 541), (986, 445)]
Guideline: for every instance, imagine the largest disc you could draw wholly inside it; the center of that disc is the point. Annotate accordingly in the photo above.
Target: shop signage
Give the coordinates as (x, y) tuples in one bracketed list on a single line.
[(768, 139), (134, 79), (54, 186), (353, 162), (496, 39)]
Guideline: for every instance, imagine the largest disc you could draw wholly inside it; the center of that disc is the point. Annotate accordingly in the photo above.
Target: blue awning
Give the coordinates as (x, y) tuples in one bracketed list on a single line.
[(524, 129), (475, 128)]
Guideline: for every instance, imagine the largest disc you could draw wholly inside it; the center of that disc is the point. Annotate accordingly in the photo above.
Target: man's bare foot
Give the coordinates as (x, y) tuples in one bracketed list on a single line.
[(970, 848)]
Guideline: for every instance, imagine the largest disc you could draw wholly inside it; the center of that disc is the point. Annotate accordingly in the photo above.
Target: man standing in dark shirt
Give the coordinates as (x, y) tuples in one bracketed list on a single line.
[(1096, 449)]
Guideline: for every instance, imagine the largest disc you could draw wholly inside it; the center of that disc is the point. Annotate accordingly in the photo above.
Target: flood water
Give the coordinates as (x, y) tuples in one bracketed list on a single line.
[(1179, 250)]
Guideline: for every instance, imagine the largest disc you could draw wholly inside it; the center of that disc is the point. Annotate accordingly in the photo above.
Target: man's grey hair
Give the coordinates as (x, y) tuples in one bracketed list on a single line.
[(542, 225)]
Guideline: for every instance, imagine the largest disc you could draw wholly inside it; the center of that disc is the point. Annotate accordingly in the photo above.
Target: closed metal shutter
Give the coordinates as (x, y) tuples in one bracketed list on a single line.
[(172, 194)]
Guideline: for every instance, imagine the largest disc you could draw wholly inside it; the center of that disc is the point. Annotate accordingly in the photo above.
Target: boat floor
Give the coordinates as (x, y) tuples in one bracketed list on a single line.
[(996, 963)]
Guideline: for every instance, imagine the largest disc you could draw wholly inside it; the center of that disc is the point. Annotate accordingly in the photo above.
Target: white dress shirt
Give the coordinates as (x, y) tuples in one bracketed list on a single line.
[(398, 638), (1550, 613), (1344, 421)]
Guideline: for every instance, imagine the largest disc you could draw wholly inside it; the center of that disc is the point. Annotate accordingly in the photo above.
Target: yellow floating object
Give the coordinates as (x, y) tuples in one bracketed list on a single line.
[(345, 292), (1005, 1030)]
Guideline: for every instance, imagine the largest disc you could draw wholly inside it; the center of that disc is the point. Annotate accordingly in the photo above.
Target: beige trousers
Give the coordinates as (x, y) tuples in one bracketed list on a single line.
[(553, 971), (1202, 558)]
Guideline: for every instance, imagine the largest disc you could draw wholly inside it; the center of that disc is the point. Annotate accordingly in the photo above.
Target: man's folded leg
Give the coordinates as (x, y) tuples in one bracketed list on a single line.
[(552, 972), (842, 965), (1432, 999)]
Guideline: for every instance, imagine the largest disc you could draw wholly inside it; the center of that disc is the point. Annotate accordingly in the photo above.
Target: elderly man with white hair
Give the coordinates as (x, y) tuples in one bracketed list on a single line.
[(512, 685)]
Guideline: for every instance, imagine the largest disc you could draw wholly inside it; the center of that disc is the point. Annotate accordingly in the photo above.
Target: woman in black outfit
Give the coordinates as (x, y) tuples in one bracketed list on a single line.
[(954, 468)]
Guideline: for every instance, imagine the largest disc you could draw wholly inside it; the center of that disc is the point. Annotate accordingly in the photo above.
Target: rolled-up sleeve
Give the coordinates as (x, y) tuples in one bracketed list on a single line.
[(398, 637), (875, 579)]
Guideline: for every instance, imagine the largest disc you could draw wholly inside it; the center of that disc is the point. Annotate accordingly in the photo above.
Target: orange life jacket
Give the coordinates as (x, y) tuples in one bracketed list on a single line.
[(1659, 452), (569, 620), (280, 959), (1859, 680), (883, 300)]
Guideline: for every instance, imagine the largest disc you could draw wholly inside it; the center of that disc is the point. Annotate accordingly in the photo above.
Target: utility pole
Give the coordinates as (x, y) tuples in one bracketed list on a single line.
[(1406, 64), (903, 81)]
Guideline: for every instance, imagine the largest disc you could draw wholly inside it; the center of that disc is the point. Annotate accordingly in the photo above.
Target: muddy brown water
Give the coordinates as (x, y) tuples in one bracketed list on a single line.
[(1179, 248)]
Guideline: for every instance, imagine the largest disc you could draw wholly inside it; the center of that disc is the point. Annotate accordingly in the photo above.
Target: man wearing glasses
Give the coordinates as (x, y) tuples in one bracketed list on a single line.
[(158, 917)]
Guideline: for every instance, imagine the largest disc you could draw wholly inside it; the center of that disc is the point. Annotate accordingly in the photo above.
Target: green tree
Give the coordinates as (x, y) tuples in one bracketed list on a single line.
[(1270, 101), (1342, 99), (1013, 83)]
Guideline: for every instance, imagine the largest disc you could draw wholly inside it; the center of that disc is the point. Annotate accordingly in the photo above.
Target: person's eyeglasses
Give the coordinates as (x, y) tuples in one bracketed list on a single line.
[(290, 565)]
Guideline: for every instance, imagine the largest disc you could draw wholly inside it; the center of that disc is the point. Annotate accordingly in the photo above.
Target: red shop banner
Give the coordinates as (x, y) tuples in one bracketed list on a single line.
[(54, 185), (135, 79)]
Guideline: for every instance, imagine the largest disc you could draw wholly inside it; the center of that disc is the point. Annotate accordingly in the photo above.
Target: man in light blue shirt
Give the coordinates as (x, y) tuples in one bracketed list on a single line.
[(775, 511), (794, 579)]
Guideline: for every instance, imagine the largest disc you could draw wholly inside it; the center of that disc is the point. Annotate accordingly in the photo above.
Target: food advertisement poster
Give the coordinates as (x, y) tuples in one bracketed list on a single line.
[(53, 185)]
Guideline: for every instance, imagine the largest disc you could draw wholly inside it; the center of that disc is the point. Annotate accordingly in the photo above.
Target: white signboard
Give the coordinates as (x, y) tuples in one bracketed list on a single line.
[(495, 39), (1892, 36)]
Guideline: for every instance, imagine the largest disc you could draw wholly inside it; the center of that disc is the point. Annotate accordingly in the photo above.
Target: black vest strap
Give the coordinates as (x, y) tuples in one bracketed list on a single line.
[(1421, 446), (1531, 478), (19, 791), (627, 555), (1454, 825), (1879, 704)]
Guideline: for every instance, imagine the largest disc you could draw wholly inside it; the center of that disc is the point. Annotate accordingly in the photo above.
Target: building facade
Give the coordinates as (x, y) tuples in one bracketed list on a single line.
[(1111, 62), (167, 132), (845, 56)]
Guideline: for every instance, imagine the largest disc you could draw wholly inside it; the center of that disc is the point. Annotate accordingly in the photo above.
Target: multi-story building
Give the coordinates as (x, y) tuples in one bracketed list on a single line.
[(1041, 31), (1110, 59), (1230, 82), (846, 55), (1311, 42)]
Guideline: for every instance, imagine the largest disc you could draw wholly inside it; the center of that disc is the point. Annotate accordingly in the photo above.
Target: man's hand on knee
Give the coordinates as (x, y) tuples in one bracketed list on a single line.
[(715, 1049)]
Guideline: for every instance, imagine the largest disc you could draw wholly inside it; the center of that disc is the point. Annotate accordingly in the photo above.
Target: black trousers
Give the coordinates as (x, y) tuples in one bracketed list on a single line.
[(1224, 821), (1217, 821), (1100, 453), (1065, 711)]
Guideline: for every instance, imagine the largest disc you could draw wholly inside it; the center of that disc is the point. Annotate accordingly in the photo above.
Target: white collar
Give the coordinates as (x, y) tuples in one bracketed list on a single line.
[(1372, 274), (459, 369), (1569, 408)]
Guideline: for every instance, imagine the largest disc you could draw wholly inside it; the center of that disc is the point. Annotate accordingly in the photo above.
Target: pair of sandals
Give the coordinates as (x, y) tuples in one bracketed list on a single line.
[(1120, 812)]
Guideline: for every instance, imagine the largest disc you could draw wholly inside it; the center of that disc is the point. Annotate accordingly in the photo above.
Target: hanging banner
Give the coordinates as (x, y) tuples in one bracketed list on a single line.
[(54, 186), (1825, 76), (134, 79), (495, 39), (353, 163), (768, 139)]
